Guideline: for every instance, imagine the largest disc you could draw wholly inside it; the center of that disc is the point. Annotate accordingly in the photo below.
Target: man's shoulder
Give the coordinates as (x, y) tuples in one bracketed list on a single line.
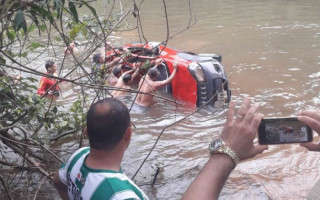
[(76, 155), (46, 79), (148, 82), (156, 84), (81, 151), (43, 78)]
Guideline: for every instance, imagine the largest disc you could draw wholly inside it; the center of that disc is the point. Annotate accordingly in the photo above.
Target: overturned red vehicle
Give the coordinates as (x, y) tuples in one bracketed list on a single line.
[(200, 79)]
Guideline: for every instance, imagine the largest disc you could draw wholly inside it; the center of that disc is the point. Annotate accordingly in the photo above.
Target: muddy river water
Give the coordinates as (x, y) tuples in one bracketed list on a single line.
[(272, 51)]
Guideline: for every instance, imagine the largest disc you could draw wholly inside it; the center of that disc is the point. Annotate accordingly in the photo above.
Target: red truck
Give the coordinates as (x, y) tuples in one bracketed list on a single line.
[(200, 79)]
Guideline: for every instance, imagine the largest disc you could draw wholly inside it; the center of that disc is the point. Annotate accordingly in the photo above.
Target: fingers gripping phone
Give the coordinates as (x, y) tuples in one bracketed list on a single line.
[(283, 131)]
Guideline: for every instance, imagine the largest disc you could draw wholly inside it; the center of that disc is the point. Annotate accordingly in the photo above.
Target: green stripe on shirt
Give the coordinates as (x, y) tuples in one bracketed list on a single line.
[(76, 158), (109, 187)]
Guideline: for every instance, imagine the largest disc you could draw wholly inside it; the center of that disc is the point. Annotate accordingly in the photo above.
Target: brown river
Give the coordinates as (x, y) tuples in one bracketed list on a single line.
[(271, 50)]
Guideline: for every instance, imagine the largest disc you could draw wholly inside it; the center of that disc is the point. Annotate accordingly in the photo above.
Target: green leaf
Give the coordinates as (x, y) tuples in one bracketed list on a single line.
[(34, 98), (84, 31), (55, 14), (73, 11), (43, 27), (94, 12), (74, 31), (34, 18), (72, 109), (24, 55), (33, 87), (20, 22), (11, 35), (146, 65), (42, 12), (58, 39), (11, 54), (31, 79), (2, 60), (63, 123), (39, 117), (57, 6), (35, 45), (32, 28)]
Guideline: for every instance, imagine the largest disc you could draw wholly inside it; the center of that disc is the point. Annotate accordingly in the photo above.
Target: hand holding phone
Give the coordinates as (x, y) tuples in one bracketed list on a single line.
[(283, 131), (311, 118)]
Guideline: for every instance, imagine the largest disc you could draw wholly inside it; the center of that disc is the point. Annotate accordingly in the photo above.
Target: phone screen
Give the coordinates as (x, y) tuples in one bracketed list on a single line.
[(283, 131)]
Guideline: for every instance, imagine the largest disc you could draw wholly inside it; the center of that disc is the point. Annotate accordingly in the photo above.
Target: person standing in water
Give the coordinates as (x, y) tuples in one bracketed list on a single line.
[(48, 86), (125, 80), (149, 85)]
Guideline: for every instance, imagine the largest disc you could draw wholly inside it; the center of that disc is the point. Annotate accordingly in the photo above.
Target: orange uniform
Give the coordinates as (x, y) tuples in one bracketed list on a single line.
[(45, 84)]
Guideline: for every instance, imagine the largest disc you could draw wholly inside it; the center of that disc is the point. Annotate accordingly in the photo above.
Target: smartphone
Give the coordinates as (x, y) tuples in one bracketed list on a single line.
[(283, 131)]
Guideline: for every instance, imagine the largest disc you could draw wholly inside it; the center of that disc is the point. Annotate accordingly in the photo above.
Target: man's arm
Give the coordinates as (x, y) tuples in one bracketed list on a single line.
[(120, 80), (62, 188), (158, 62), (115, 61), (136, 72), (168, 80), (107, 57), (70, 48), (211, 179), (127, 72), (42, 86), (238, 134)]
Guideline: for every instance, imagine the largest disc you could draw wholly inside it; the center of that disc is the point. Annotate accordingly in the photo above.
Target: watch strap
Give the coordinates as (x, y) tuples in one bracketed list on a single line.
[(225, 149), (231, 153)]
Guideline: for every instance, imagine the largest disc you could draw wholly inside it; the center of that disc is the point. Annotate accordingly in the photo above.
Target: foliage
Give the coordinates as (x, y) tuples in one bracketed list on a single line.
[(24, 115), (76, 30), (35, 45), (31, 30), (19, 18), (15, 103), (24, 107), (75, 118)]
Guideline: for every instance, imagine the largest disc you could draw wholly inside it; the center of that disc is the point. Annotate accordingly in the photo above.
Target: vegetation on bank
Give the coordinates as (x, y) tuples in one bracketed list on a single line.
[(29, 123)]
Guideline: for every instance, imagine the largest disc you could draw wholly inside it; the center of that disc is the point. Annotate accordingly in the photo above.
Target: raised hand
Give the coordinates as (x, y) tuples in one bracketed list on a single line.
[(240, 130)]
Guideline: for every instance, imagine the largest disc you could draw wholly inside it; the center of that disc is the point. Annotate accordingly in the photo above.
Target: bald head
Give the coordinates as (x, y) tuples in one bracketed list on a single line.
[(107, 121)]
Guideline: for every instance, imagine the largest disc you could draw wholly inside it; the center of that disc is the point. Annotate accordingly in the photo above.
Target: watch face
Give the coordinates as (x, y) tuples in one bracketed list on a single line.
[(215, 144)]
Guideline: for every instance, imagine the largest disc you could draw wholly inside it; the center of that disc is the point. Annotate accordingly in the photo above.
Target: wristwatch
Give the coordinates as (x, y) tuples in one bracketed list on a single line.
[(219, 146)]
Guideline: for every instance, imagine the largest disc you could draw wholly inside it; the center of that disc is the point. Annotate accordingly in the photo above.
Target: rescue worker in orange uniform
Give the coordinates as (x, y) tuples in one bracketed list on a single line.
[(46, 83)]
